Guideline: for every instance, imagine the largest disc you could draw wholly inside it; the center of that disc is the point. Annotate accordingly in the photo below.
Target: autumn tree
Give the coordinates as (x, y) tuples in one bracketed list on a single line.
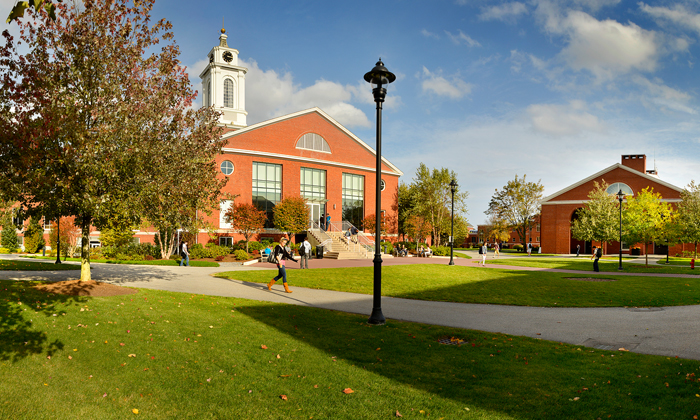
[(68, 234), (433, 199), (418, 227), (599, 219), (99, 109), (497, 230), (688, 216), (517, 204), (247, 219), (291, 215), (644, 219)]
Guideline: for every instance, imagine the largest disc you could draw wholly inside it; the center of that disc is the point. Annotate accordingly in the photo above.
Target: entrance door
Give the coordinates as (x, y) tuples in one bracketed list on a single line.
[(314, 213)]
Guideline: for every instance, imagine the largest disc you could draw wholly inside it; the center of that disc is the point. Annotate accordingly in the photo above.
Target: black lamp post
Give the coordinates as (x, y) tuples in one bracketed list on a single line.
[(620, 197), (379, 76), (453, 188), (58, 240)]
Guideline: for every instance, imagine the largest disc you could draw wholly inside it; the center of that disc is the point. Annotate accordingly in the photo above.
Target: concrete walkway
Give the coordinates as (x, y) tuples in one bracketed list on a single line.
[(668, 331)]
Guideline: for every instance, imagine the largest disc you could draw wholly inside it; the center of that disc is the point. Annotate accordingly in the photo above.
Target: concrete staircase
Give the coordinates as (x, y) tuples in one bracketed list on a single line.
[(341, 250)]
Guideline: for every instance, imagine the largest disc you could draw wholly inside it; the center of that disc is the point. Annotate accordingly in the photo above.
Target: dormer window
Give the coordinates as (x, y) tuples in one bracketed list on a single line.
[(614, 188), (313, 141)]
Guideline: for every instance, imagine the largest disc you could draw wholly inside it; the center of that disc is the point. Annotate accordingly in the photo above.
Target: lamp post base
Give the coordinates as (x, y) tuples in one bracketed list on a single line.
[(377, 318)]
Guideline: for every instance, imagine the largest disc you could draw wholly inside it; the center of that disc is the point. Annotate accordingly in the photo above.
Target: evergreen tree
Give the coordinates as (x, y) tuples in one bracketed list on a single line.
[(8, 237), (34, 236)]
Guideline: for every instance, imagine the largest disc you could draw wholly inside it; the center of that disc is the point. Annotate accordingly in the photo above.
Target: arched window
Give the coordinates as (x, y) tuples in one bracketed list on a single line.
[(228, 93), (313, 141), (614, 188), (209, 93)]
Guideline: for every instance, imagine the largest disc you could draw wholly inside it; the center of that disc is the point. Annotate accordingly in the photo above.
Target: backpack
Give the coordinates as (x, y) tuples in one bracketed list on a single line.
[(302, 249), (481, 250)]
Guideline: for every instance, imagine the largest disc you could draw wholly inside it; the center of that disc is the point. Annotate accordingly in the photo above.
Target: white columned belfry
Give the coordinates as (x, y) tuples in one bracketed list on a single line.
[(223, 84)]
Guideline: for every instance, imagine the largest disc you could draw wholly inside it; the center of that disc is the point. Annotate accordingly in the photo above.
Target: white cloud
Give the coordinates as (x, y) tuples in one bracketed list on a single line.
[(678, 14), (429, 34), (462, 39), (605, 48), (564, 120), (507, 12), (663, 96), (455, 88), (269, 94)]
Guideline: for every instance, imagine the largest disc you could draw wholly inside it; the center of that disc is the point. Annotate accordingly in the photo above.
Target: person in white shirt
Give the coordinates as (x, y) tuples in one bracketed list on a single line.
[(484, 251), (307, 253)]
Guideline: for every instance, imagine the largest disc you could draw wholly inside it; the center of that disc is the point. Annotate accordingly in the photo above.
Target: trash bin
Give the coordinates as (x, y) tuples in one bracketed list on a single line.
[(319, 252)]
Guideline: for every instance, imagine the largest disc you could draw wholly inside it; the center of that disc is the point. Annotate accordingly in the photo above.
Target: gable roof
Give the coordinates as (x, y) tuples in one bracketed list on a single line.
[(323, 115), (605, 171)]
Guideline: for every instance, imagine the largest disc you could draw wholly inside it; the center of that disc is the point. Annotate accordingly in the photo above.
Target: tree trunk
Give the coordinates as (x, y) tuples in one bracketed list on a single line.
[(85, 274)]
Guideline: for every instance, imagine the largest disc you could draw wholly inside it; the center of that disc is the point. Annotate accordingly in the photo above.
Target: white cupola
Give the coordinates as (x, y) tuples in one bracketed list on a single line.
[(223, 84)]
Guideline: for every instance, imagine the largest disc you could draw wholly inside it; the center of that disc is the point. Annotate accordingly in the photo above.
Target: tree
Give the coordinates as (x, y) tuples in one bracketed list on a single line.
[(688, 216), (291, 215), (8, 236), (599, 219), (68, 234), (404, 205), (34, 236), (517, 204), (645, 218), (246, 218), (433, 198), (117, 225), (498, 229), (418, 227), (100, 109), (19, 8)]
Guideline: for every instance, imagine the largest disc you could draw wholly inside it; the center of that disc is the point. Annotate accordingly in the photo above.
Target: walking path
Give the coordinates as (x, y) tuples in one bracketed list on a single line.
[(668, 331)]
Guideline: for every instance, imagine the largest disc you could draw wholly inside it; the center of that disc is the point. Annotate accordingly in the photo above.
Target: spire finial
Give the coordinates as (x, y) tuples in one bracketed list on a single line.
[(223, 31)]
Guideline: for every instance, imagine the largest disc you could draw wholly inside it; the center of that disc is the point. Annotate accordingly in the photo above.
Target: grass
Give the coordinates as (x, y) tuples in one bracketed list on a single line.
[(609, 264), (493, 286), (14, 265), (141, 262), (202, 357)]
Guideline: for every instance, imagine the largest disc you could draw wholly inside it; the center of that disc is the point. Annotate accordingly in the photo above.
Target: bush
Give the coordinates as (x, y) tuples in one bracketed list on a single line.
[(389, 247), (149, 258), (255, 246), (442, 251), (241, 255), (410, 245), (518, 247), (219, 258), (5, 251), (175, 258), (217, 250)]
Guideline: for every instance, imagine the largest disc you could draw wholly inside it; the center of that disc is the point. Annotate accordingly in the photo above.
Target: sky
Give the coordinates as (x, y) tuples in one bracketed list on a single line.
[(554, 90)]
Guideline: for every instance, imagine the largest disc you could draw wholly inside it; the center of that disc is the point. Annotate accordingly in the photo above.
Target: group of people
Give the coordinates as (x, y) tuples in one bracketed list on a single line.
[(351, 234), (324, 221), (484, 250)]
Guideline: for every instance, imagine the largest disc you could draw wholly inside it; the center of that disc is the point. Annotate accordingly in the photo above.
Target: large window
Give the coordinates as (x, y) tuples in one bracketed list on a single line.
[(354, 199), (228, 93), (313, 184), (267, 188), (616, 187)]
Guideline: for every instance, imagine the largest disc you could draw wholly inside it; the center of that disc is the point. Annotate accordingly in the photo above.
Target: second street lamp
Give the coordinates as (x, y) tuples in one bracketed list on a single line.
[(379, 77), (620, 197), (453, 188)]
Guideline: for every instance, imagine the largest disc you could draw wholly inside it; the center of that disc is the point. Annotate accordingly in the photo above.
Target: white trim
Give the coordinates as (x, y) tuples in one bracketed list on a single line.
[(604, 171), (551, 203), (322, 114), (304, 159)]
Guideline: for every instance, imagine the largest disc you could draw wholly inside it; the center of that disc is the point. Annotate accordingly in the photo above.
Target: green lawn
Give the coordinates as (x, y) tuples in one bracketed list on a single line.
[(495, 286), (609, 264), (152, 262), (14, 265), (172, 355)]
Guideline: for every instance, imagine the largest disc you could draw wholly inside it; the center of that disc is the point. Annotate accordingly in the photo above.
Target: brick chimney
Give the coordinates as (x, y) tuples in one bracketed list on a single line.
[(636, 162)]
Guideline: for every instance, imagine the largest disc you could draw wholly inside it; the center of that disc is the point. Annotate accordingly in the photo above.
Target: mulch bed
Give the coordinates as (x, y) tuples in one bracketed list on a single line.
[(588, 279), (85, 288)]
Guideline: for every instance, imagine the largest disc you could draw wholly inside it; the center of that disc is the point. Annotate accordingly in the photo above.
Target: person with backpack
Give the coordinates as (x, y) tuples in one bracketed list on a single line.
[(281, 254), (597, 253), (304, 253), (353, 233), (483, 251), (184, 254)]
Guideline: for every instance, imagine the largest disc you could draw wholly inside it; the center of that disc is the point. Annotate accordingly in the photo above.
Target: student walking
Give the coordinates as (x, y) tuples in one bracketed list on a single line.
[(597, 253), (281, 255), (484, 250), (184, 254), (304, 252), (496, 250)]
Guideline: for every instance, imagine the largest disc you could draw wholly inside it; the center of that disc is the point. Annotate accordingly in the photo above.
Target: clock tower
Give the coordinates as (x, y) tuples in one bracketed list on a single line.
[(223, 84)]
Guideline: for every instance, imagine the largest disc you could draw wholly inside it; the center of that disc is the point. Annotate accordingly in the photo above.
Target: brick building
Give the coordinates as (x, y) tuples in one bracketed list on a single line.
[(631, 175)]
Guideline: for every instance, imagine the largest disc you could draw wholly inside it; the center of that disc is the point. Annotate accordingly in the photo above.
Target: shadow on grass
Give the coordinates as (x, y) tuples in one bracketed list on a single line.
[(20, 337)]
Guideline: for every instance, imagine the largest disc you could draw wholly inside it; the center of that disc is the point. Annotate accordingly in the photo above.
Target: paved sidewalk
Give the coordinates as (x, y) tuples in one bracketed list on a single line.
[(668, 331)]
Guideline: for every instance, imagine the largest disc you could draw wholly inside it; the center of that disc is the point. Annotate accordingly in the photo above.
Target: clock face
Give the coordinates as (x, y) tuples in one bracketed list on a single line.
[(228, 57)]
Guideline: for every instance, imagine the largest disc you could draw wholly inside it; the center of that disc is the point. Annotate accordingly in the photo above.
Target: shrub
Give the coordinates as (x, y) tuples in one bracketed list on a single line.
[(5, 251), (241, 255), (175, 258), (518, 247), (219, 258), (255, 246), (389, 247), (149, 258), (198, 251), (217, 250), (441, 250)]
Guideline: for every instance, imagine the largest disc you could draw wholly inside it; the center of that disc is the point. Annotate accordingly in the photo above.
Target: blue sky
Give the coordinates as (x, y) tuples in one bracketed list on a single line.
[(556, 90)]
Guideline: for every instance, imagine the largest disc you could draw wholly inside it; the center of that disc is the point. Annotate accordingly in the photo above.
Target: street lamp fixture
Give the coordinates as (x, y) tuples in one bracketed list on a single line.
[(378, 77), (453, 188), (620, 197)]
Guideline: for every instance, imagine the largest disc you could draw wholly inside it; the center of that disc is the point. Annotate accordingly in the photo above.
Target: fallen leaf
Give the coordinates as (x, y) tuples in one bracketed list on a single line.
[(70, 357), (278, 356), (135, 411), (576, 398), (398, 414), (315, 386), (132, 355), (104, 395), (284, 397), (348, 391), (122, 344), (264, 347)]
